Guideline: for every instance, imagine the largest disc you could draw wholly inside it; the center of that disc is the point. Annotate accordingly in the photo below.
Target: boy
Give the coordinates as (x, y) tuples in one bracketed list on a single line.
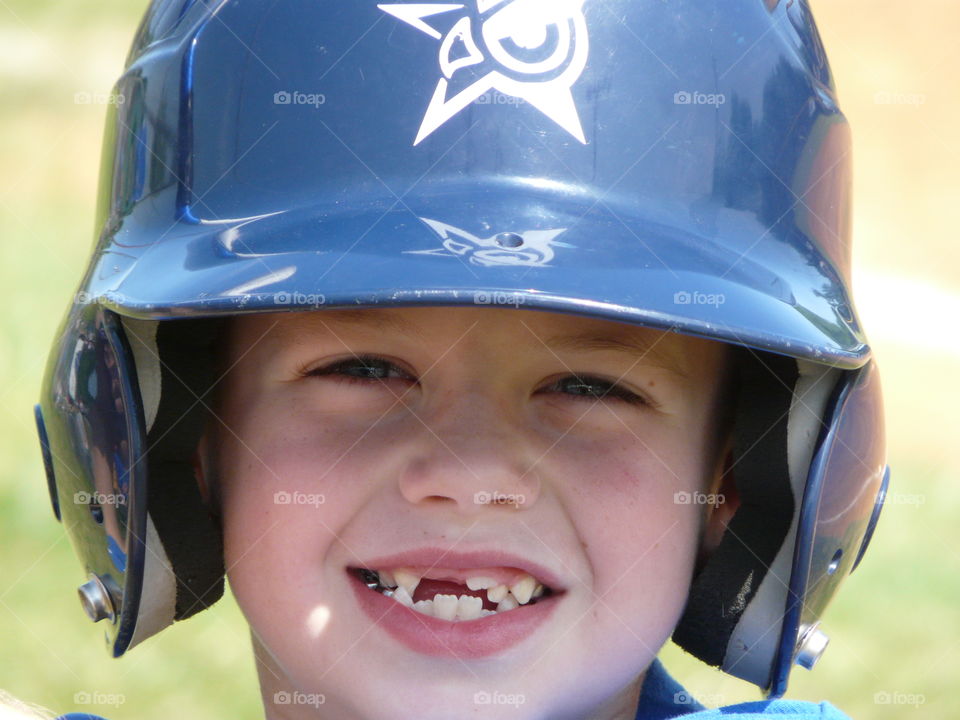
[(472, 404), (280, 364)]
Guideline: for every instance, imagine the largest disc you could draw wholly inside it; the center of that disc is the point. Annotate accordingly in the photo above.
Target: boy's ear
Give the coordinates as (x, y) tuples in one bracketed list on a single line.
[(727, 500)]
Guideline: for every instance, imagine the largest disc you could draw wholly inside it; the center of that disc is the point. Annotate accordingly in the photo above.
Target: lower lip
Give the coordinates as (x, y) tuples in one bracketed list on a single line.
[(465, 639)]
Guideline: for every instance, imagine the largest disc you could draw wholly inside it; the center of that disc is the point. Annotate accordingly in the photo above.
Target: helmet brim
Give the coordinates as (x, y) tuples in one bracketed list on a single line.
[(480, 246)]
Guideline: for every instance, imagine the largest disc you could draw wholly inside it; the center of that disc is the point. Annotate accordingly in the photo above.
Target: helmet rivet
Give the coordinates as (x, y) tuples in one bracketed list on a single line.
[(95, 599), (813, 641), (509, 239), (835, 562)]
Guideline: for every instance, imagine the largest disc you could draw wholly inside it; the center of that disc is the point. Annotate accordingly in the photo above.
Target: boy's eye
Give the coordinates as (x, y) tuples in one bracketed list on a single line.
[(362, 369), (366, 369), (591, 388)]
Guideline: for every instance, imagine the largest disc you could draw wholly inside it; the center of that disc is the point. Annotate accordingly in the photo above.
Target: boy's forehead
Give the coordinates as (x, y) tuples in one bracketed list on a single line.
[(531, 330)]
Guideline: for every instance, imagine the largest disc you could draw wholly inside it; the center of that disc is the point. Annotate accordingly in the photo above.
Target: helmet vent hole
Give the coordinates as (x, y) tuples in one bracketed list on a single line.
[(509, 239), (835, 562)]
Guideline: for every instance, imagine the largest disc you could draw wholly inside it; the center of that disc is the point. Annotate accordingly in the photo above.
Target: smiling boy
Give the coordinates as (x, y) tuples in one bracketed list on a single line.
[(405, 422), (475, 402)]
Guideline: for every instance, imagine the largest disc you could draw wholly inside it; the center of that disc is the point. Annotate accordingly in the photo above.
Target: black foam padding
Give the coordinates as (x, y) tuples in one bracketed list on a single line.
[(729, 578), (191, 538)]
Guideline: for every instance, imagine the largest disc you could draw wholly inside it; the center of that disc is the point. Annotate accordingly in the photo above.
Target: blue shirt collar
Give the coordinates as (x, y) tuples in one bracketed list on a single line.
[(662, 697)]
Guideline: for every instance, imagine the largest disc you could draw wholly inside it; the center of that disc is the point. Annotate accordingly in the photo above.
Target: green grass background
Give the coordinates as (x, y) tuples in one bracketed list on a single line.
[(895, 628)]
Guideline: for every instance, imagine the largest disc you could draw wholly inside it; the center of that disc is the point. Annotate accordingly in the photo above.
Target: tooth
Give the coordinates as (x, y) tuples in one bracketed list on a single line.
[(445, 606), (523, 589), (508, 603), (537, 591), (480, 583), (403, 597), (386, 578), (424, 606), (498, 593), (469, 607), (407, 579), (485, 612)]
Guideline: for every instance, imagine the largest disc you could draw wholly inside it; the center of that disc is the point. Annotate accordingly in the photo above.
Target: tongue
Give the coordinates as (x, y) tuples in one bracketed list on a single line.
[(428, 588)]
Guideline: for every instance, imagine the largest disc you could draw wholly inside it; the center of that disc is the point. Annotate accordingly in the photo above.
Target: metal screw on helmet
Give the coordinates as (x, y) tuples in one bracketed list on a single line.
[(509, 240), (813, 641), (95, 599)]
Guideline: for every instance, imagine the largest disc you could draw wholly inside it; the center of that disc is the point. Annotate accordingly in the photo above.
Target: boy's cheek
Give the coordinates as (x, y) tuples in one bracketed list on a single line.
[(640, 540), (648, 559), (269, 546), (289, 453)]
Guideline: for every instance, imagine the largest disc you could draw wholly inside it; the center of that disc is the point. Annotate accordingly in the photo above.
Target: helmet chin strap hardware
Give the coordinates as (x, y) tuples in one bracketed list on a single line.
[(96, 599), (811, 644)]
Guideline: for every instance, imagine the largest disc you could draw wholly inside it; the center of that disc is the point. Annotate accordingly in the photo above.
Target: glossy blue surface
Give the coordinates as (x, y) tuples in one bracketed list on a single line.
[(92, 412), (845, 488), (47, 461), (222, 198)]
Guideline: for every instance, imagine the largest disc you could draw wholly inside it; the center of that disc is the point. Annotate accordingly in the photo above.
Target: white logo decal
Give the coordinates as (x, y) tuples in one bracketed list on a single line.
[(534, 50), (535, 247)]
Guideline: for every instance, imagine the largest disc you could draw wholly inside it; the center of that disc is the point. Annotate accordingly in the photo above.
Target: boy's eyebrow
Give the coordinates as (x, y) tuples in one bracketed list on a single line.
[(650, 352), (378, 320)]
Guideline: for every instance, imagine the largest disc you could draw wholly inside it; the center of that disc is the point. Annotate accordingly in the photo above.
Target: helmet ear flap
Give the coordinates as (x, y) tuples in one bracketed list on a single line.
[(125, 403), (92, 434), (190, 535), (843, 496), (730, 577)]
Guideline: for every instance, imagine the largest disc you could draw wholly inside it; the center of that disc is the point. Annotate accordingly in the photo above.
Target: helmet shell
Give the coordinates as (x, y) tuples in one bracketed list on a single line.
[(679, 165), (272, 157)]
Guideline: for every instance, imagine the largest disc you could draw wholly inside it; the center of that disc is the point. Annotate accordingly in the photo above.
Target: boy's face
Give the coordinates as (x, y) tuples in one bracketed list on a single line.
[(462, 443)]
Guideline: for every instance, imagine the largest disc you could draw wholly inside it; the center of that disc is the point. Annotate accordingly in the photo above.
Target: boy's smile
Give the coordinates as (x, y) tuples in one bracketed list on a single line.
[(449, 599), (492, 503)]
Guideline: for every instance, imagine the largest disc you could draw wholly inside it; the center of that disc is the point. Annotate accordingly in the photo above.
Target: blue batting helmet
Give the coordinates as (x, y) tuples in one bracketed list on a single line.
[(679, 165)]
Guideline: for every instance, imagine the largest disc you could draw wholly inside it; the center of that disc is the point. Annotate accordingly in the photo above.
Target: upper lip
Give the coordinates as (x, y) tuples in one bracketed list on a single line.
[(433, 557)]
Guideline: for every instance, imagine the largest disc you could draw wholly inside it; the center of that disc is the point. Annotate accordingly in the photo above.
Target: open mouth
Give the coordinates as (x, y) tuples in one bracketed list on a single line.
[(453, 594)]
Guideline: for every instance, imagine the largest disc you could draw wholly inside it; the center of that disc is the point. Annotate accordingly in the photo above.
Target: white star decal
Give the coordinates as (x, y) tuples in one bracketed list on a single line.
[(534, 50)]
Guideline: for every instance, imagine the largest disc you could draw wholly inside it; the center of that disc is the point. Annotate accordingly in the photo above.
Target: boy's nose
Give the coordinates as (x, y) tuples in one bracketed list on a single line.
[(472, 455)]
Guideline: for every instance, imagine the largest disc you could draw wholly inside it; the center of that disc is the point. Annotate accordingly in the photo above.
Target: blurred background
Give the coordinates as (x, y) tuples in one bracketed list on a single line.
[(895, 628)]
